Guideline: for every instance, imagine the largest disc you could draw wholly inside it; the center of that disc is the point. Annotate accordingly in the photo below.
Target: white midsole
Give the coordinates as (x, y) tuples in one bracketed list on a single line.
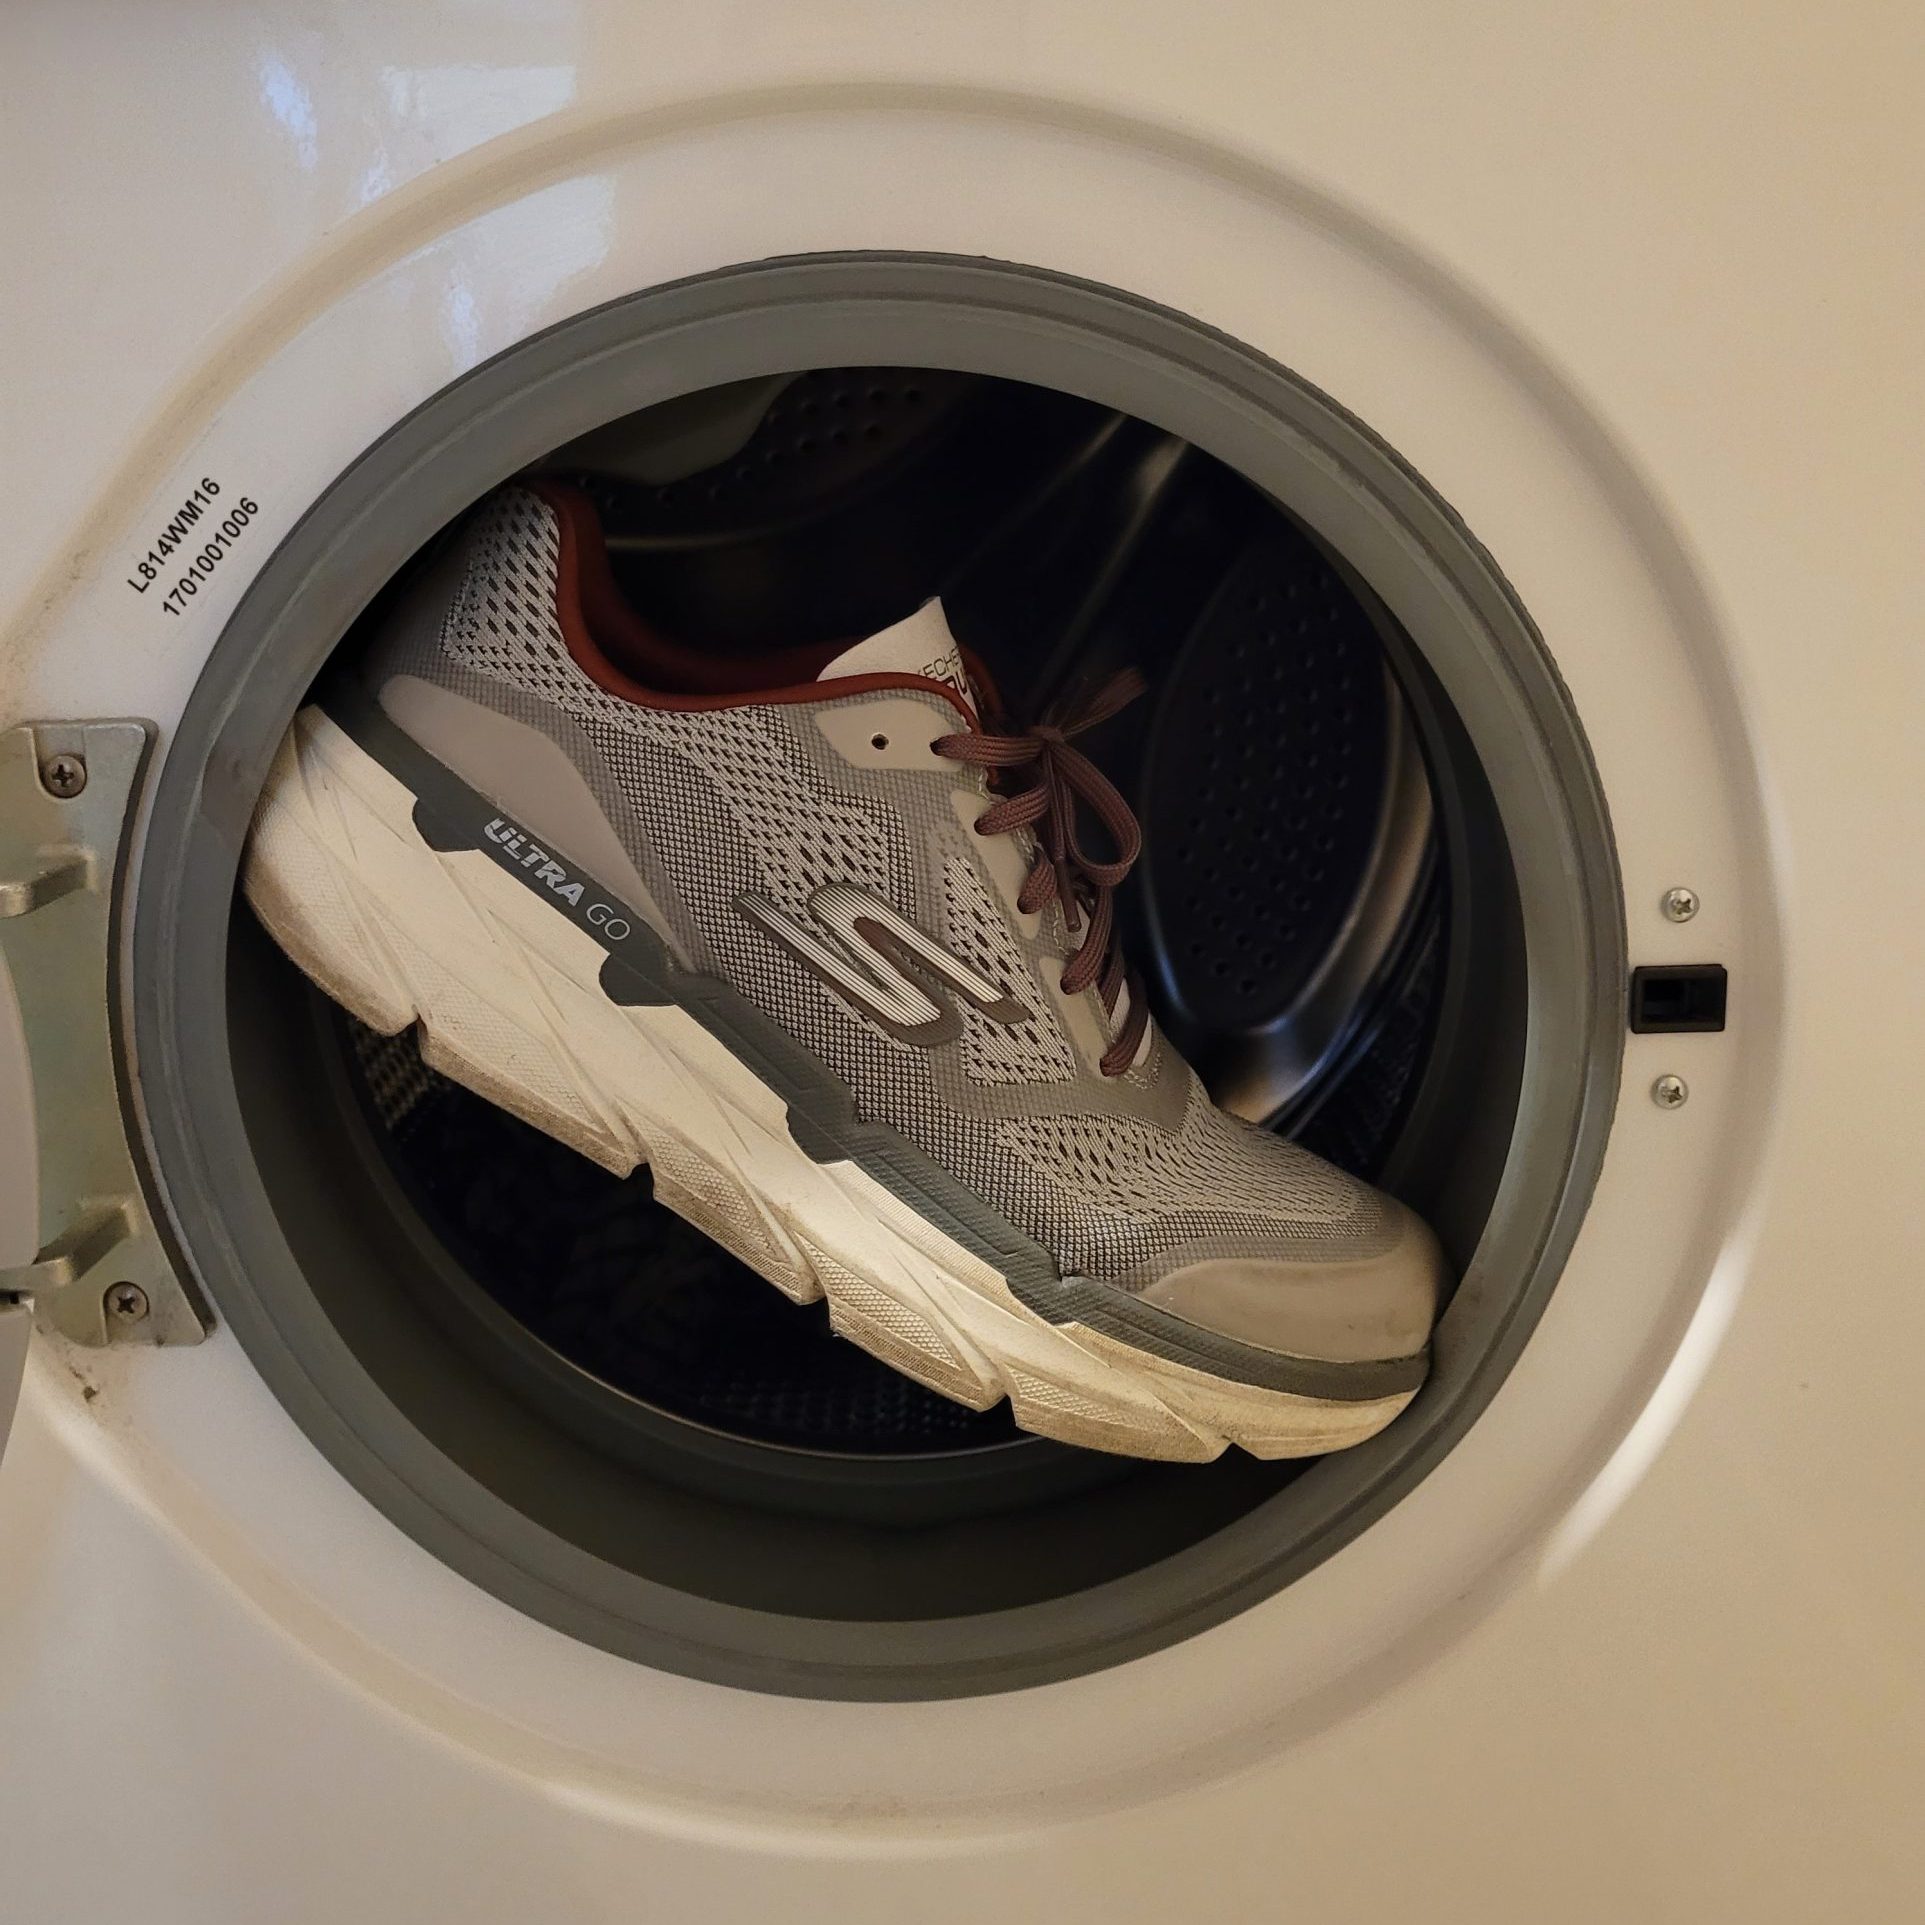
[(507, 995)]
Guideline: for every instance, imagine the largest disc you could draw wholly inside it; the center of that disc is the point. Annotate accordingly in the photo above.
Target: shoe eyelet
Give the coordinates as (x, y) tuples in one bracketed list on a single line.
[(878, 741)]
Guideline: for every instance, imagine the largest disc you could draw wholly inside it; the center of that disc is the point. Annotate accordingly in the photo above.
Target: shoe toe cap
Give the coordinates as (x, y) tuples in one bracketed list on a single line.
[(1364, 1310)]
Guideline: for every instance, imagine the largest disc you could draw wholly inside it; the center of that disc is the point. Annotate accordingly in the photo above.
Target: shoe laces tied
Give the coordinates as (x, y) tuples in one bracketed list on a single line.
[(1058, 783)]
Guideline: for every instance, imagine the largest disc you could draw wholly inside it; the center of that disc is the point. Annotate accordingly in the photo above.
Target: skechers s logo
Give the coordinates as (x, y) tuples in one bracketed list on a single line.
[(521, 848), (865, 958)]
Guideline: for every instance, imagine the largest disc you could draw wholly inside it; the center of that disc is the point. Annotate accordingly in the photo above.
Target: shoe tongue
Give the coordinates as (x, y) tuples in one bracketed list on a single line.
[(922, 645)]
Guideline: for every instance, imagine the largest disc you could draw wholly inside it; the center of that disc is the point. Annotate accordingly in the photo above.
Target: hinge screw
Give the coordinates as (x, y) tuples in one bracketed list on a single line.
[(63, 775), (1680, 905), (125, 1302), (1669, 1092)]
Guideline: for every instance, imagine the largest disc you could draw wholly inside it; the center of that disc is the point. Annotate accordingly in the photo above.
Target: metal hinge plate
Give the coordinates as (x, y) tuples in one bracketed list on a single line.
[(101, 1274)]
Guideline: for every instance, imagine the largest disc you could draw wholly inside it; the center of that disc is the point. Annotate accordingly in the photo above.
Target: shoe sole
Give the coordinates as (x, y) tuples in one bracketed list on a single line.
[(510, 996)]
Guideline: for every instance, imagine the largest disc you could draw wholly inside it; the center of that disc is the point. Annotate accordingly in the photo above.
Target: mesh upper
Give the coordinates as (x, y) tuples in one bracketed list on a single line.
[(978, 932), (1121, 1178)]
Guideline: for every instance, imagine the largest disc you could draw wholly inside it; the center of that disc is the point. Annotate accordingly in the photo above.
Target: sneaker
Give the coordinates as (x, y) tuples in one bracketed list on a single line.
[(824, 943)]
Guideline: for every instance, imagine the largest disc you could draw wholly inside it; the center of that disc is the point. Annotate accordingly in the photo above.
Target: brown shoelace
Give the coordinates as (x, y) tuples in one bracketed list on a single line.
[(1061, 781)]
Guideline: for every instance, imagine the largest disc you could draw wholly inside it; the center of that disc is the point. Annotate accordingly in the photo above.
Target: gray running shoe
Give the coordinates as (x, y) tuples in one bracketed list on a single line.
[(819, 939)]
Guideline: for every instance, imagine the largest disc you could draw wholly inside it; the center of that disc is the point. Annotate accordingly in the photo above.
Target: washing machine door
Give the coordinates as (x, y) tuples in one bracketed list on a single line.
[(78, 1248), (20, 870), (13, 1360)]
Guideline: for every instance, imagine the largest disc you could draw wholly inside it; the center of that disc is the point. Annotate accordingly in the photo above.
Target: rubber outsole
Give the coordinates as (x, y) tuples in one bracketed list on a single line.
[(507, 998)]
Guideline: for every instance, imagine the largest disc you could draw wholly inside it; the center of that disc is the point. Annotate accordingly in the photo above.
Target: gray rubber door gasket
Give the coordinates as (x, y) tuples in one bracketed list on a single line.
[(730, 1591)]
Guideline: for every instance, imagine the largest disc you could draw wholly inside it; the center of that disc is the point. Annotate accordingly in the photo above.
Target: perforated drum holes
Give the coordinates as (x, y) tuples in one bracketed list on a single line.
[(1265, 783)]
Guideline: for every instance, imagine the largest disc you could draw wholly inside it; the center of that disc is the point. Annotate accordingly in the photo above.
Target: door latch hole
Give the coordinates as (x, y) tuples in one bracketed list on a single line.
[(1668, 999)]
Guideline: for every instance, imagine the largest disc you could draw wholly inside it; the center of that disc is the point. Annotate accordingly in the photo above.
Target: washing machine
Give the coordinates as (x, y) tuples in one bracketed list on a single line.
[(1492, 431)]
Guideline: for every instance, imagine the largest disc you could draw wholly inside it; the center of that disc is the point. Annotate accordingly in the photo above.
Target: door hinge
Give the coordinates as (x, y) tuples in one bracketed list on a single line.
[(101, 1273)]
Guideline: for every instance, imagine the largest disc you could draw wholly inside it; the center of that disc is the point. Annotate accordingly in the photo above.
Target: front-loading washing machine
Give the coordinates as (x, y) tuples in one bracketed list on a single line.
[(1492, 437)]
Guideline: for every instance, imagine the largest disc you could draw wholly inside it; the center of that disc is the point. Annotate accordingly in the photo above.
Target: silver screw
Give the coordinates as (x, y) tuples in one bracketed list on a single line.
[(1680, 905), (125, 1302), (1669, 1092), (63, 775)]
